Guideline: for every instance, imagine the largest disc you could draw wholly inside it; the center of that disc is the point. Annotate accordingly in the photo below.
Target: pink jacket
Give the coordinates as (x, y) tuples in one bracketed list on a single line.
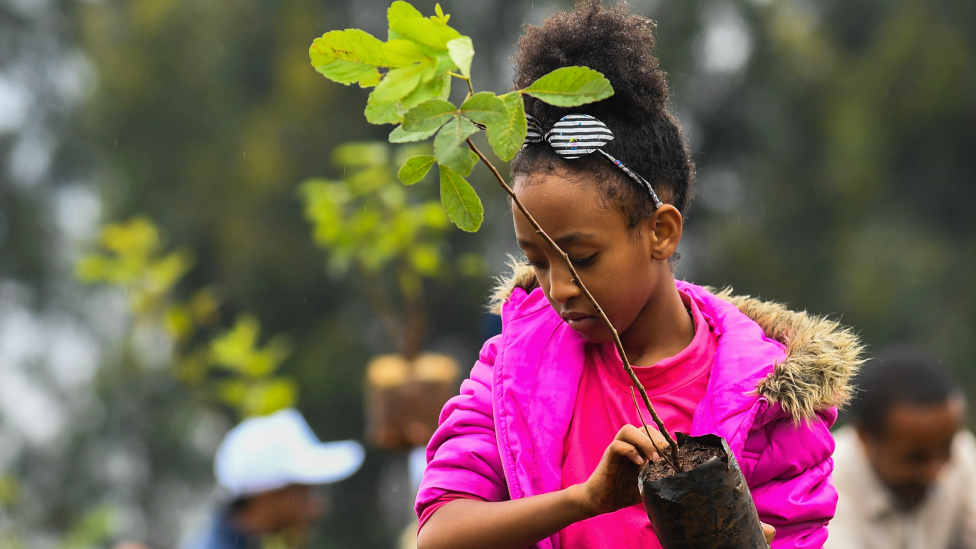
[(776, 380)]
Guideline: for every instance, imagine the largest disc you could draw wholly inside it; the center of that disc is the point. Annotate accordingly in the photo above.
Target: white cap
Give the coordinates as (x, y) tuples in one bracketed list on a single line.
[(270, 452)]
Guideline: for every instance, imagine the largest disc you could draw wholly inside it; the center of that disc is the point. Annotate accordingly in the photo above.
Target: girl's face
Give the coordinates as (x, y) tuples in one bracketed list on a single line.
[(623, 268)]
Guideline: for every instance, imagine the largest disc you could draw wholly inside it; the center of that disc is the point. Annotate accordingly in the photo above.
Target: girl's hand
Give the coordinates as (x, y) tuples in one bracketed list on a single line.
[(613, 485)]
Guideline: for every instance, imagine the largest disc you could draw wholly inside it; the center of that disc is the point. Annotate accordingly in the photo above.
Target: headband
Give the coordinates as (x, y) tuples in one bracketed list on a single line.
[(577, 135)]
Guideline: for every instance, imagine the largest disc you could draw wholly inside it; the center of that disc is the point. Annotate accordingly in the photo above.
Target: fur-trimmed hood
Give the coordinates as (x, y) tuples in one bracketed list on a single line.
[(822, 356)]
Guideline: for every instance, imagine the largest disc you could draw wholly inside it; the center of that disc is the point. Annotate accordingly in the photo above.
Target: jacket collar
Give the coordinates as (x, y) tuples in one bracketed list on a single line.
[(820, 356)]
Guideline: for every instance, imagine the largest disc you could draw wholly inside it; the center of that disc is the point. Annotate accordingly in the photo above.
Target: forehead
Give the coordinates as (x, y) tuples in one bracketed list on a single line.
[(925, 425), (564, 203)]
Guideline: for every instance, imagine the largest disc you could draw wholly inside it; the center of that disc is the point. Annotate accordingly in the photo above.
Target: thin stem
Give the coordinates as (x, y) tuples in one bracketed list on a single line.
[(603, 316), (675, 466), (466, 79), (639, 413)]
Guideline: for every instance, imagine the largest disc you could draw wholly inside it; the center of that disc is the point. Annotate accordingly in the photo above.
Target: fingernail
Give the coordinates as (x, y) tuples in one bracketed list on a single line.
[(640, 460), (655, 456)]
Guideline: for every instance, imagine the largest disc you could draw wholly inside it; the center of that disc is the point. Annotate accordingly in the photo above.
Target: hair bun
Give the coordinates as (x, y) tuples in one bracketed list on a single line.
[(609, 40), (647, 138)]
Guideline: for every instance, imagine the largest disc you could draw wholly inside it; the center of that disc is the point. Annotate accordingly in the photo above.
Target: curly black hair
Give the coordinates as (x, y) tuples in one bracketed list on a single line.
[(647, 138)]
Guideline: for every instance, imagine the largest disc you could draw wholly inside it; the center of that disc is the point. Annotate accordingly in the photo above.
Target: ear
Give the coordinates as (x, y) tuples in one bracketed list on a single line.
[(664, 231)]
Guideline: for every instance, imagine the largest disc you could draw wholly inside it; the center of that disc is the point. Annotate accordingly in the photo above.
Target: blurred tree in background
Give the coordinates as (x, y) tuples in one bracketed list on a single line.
[(391, 240), (834, 143)]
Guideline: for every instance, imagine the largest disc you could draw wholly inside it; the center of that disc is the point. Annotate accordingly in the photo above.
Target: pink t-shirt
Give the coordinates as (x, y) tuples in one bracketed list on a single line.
[(604, 404)]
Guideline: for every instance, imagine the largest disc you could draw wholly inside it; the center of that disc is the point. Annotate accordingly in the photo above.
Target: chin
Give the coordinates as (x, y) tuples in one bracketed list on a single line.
[(911, 497)]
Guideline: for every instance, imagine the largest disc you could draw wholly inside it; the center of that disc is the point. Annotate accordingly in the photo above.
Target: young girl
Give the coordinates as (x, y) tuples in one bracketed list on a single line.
[(541, 447)]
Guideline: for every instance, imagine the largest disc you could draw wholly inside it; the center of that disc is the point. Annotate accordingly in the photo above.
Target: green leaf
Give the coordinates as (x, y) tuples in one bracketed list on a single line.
[(349, 56), (404, 52), (460, 201), (484, 108), (397, 83), (440, 14), (438, 88), (415, 168), (407, 22), (449, 145), (399, 135), (506, 137), (461, 51), (462, 161), (571, 87), (381, 113), (429, 115)]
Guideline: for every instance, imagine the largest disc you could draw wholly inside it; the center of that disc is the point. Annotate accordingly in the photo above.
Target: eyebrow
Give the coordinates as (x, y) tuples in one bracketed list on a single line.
[(562, 241)]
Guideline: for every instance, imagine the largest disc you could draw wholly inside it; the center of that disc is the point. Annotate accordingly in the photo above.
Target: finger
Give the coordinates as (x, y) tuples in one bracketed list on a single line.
[(768, 532), (660, 442), (621, 448), (637, 437)]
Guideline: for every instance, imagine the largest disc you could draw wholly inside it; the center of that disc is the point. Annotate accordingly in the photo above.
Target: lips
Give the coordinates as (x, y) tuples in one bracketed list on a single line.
[(578, 321)]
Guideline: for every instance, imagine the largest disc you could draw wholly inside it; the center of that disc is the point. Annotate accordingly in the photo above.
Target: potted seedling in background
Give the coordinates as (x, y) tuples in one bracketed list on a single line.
[(395, 244), (696, 496)]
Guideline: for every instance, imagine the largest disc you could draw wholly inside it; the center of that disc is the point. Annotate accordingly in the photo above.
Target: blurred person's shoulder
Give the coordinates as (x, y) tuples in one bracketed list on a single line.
[(962, 463), (964, 448)]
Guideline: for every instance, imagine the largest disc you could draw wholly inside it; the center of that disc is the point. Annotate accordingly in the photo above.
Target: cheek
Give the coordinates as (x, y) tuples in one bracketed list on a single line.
[(626, 286)]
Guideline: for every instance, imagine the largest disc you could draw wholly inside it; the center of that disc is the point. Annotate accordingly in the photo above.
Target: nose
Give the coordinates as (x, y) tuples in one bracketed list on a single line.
[(561, 285)]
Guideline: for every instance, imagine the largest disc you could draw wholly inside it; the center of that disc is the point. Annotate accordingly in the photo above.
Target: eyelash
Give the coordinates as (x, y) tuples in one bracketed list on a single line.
[(582, 262)]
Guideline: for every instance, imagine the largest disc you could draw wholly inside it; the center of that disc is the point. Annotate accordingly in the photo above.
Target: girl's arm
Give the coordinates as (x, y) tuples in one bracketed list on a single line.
[(791, 480), (472, 524)]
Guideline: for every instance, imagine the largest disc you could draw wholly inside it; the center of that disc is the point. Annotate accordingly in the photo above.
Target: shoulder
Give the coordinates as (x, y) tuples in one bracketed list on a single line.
[(964, 453), (800, 362), (804, 363)]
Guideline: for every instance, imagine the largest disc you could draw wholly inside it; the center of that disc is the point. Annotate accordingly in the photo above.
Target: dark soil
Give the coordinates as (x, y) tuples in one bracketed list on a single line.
[(690, 455)]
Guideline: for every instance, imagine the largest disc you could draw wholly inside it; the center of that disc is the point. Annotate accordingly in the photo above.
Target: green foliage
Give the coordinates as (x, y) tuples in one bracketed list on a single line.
[(420, 51), (367, 222), (400, 135), (450, 149), (461, 51), (461, 202), (415, 168), (349, 56), (92, 529), (507, 136), (9, 490), (484, 108), (135, 261), (571, 87), (407, 22), (398, 83), (416, 60), (429, 115)]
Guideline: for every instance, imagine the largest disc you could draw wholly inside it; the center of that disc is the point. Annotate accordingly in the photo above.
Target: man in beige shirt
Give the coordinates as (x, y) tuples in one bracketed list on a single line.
[(905, 469)]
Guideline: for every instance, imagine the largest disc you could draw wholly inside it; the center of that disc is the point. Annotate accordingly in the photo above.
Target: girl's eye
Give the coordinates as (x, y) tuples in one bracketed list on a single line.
[(537, 264), (584, 261)]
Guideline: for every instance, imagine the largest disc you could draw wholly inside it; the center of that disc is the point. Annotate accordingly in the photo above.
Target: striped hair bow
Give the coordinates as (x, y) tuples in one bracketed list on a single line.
[(577, 135)]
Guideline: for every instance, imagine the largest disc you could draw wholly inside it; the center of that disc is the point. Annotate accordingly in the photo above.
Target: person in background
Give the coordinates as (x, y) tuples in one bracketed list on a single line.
[(905, 468), (267, 468)]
